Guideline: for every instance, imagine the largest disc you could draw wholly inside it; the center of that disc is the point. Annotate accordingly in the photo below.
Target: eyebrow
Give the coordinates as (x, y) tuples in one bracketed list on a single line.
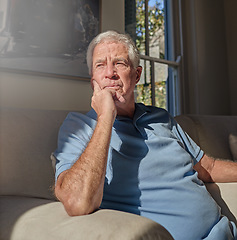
[(121, 59), (116, 59), (99, 61)]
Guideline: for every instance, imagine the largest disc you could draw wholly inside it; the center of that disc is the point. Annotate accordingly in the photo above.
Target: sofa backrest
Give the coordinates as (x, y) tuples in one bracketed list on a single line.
[(27, 139), (211, 133)]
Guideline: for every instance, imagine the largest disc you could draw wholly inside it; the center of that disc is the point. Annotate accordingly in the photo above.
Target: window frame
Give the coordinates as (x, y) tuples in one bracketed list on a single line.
[(173, 55)]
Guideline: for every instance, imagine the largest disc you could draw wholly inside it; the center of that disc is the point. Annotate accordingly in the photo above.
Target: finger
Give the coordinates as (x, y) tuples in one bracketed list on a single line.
[(118, 97)]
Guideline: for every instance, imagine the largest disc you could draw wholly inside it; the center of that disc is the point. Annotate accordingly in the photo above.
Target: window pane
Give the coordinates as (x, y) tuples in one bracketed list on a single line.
[(161, 76), (140, 25), (154, 33), (150, 23), (143, 88), (156, 28)]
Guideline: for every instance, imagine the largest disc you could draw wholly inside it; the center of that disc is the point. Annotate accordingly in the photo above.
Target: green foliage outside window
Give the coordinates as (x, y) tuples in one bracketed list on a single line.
[(155, 18), (143, 94), (156, 32)]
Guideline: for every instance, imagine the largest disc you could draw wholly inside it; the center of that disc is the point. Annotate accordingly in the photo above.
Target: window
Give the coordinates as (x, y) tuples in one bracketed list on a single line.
[(149, 22)]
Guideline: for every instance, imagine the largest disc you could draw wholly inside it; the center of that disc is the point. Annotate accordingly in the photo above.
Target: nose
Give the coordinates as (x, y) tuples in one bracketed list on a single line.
[(111, 71)]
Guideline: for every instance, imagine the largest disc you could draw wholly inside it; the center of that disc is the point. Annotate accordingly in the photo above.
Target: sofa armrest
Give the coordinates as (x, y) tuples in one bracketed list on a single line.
[(50, 221), (225, 194)]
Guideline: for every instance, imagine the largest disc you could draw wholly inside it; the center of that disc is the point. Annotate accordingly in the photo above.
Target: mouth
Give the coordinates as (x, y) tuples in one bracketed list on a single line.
[(116, 87)]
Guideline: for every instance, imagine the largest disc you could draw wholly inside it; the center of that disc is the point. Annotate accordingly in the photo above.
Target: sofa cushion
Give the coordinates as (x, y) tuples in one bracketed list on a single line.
[(27, 139), (225, 194), (233, 146), (50, 221), (11, 210)]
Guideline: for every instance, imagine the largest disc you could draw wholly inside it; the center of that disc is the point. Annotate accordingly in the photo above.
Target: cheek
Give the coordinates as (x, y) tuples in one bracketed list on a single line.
[(129, 84), (98, 76), (133, 80)]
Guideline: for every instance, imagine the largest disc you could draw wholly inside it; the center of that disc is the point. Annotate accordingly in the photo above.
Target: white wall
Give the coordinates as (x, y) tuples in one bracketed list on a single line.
[(29, 91), (113, 15), (32, 91)]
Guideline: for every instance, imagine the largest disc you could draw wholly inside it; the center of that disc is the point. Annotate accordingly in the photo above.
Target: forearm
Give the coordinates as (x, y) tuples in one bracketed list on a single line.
[(80, 189), (216, 170), (224, 171)]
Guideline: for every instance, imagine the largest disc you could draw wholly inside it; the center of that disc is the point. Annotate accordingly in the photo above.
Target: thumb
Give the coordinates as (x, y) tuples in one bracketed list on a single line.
[(95, 86)]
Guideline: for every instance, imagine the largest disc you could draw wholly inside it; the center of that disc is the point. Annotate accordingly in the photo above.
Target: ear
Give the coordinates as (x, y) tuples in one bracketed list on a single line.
[(138, 73)]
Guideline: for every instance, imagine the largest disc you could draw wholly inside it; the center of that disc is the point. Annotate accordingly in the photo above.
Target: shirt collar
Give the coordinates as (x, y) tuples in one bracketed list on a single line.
[(140, 111)]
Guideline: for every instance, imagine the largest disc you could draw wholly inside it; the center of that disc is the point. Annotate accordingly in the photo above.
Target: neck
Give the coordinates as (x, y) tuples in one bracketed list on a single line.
[(127, 111)]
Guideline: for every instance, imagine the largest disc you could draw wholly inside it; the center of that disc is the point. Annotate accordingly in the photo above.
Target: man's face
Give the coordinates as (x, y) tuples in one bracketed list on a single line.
[(112, 69)]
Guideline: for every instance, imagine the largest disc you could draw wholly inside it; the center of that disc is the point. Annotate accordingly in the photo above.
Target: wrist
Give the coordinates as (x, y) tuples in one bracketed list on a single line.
[(107, 119)]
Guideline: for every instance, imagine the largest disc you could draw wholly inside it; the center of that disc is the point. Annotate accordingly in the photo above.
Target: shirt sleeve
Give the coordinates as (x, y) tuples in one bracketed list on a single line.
[(73, 137), (191, 147)]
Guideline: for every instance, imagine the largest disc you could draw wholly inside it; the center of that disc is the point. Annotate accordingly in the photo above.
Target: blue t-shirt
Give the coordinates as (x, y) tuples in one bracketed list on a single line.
[(149, 172)]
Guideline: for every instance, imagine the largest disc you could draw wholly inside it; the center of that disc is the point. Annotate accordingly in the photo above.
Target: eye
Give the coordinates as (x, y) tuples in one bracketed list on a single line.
[(99, 65), (121, 64)]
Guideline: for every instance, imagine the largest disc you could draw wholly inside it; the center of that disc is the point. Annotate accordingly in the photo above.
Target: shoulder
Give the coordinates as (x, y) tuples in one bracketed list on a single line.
[(79, 116), (77, 120)]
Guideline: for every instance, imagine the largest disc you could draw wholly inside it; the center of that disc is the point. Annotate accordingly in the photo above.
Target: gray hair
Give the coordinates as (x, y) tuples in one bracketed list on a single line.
[(113, 36)]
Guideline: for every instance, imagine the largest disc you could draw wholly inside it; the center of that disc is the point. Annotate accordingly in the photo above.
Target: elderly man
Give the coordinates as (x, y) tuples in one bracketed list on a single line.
[(136, 158)]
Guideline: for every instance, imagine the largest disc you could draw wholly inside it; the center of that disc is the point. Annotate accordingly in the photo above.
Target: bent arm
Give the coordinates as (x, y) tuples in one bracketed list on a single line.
[(216, 170), (80, 188)]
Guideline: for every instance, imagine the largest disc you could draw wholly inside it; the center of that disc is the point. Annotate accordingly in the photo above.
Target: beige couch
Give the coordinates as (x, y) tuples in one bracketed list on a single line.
[(28, 209)]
